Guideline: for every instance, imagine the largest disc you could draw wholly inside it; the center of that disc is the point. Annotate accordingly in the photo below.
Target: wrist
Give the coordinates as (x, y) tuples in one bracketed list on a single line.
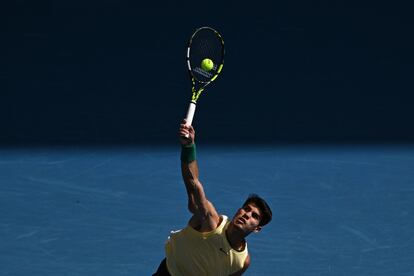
[(188, 153), (188, 145)]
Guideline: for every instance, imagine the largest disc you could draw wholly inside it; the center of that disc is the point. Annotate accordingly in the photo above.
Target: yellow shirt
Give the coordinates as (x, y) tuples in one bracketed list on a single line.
[(192, 253)]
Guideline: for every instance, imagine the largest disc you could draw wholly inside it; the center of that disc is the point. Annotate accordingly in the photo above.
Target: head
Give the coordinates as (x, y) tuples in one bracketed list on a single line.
[(253, 215)]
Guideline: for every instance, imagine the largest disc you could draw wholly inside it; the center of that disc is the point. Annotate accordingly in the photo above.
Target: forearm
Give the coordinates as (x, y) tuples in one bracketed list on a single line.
[(189, 166), (190, 174), (204, 213), (197, 201)]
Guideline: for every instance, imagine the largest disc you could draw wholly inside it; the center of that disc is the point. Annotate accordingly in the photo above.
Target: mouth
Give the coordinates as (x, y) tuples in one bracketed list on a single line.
[(241, 220)]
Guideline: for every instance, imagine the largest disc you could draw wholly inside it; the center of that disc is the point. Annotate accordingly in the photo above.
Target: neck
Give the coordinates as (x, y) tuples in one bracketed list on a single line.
[(235, 237)]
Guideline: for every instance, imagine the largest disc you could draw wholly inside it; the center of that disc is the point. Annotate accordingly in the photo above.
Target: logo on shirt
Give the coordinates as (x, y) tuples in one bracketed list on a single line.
[(222, 250)]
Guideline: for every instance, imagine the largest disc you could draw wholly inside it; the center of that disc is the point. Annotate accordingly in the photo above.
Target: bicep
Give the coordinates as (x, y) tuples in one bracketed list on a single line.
[(205, 213), (203, 205), (198, 204)]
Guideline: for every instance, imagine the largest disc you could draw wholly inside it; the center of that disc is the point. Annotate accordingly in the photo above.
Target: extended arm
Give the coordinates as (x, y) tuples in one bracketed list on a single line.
[(205, 217)]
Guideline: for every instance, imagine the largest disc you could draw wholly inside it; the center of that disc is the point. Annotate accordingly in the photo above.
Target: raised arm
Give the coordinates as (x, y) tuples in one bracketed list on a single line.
[(205, 217)]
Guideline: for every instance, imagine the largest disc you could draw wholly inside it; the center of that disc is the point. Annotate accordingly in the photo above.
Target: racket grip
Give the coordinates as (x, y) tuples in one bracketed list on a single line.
[(190, 115)]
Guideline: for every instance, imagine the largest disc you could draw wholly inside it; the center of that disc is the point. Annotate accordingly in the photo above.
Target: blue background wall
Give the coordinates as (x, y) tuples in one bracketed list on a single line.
[(114, 72)]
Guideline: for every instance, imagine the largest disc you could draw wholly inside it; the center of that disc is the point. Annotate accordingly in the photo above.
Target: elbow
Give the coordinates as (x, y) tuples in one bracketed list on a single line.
[(192, 208)]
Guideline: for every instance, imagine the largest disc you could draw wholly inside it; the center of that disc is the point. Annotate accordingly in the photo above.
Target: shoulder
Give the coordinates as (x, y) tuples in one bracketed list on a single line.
[(201, 225)]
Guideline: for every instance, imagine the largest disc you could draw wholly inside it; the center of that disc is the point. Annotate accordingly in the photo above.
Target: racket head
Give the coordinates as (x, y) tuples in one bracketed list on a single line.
[(205, 43)]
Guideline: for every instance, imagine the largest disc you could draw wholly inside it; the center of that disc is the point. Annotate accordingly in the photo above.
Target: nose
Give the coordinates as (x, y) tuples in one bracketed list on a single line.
[(246, 215)]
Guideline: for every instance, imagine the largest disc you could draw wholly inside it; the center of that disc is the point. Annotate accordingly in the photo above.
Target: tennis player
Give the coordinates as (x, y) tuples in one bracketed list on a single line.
[(211, 244)]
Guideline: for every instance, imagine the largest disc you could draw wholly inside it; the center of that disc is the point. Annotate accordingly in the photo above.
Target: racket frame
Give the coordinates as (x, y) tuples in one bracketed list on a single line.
[(196, 92)]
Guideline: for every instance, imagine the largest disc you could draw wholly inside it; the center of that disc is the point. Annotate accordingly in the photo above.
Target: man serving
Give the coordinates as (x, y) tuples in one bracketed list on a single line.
[(211, 244)]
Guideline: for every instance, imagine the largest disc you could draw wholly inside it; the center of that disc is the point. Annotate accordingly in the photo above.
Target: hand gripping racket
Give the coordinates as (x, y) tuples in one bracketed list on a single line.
[(205, 59)]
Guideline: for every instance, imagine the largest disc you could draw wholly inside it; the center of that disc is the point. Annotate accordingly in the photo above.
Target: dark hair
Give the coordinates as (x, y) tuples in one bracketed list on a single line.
[(262, 205)]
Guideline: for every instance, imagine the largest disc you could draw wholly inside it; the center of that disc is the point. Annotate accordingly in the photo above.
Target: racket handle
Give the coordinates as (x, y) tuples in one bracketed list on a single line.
[(190, 115)]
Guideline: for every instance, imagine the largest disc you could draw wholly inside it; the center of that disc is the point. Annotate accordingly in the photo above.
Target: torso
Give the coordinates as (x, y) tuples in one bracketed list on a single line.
[(194, 252)]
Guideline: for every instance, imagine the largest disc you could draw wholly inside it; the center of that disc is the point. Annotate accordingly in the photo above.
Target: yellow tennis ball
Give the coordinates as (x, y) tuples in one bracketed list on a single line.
[(207, 64)]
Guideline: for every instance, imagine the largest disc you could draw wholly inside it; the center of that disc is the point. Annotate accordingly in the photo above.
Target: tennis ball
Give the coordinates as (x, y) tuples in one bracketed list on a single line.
[(207, 64)]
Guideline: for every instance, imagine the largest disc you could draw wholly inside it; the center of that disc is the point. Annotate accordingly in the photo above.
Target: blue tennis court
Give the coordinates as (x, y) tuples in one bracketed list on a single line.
[(338, 210)]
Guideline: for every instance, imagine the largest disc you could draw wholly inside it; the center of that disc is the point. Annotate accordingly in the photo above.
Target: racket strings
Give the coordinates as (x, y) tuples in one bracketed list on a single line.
[(206, 43)]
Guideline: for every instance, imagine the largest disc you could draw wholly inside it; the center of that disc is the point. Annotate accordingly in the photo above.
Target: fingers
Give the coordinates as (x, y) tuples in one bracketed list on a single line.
[(184, 122), (186, 131), (191, 129), (184, 125), (184, 128), (183, 133)]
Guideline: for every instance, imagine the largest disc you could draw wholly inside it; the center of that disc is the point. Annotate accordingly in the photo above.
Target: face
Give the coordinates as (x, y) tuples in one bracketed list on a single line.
[(247, 219)]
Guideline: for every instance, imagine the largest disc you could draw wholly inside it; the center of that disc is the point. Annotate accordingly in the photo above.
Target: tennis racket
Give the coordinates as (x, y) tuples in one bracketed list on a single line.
[(205, 59)]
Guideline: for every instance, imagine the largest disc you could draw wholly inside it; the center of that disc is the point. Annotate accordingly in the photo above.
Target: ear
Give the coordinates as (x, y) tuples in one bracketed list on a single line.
[(257, 229)]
